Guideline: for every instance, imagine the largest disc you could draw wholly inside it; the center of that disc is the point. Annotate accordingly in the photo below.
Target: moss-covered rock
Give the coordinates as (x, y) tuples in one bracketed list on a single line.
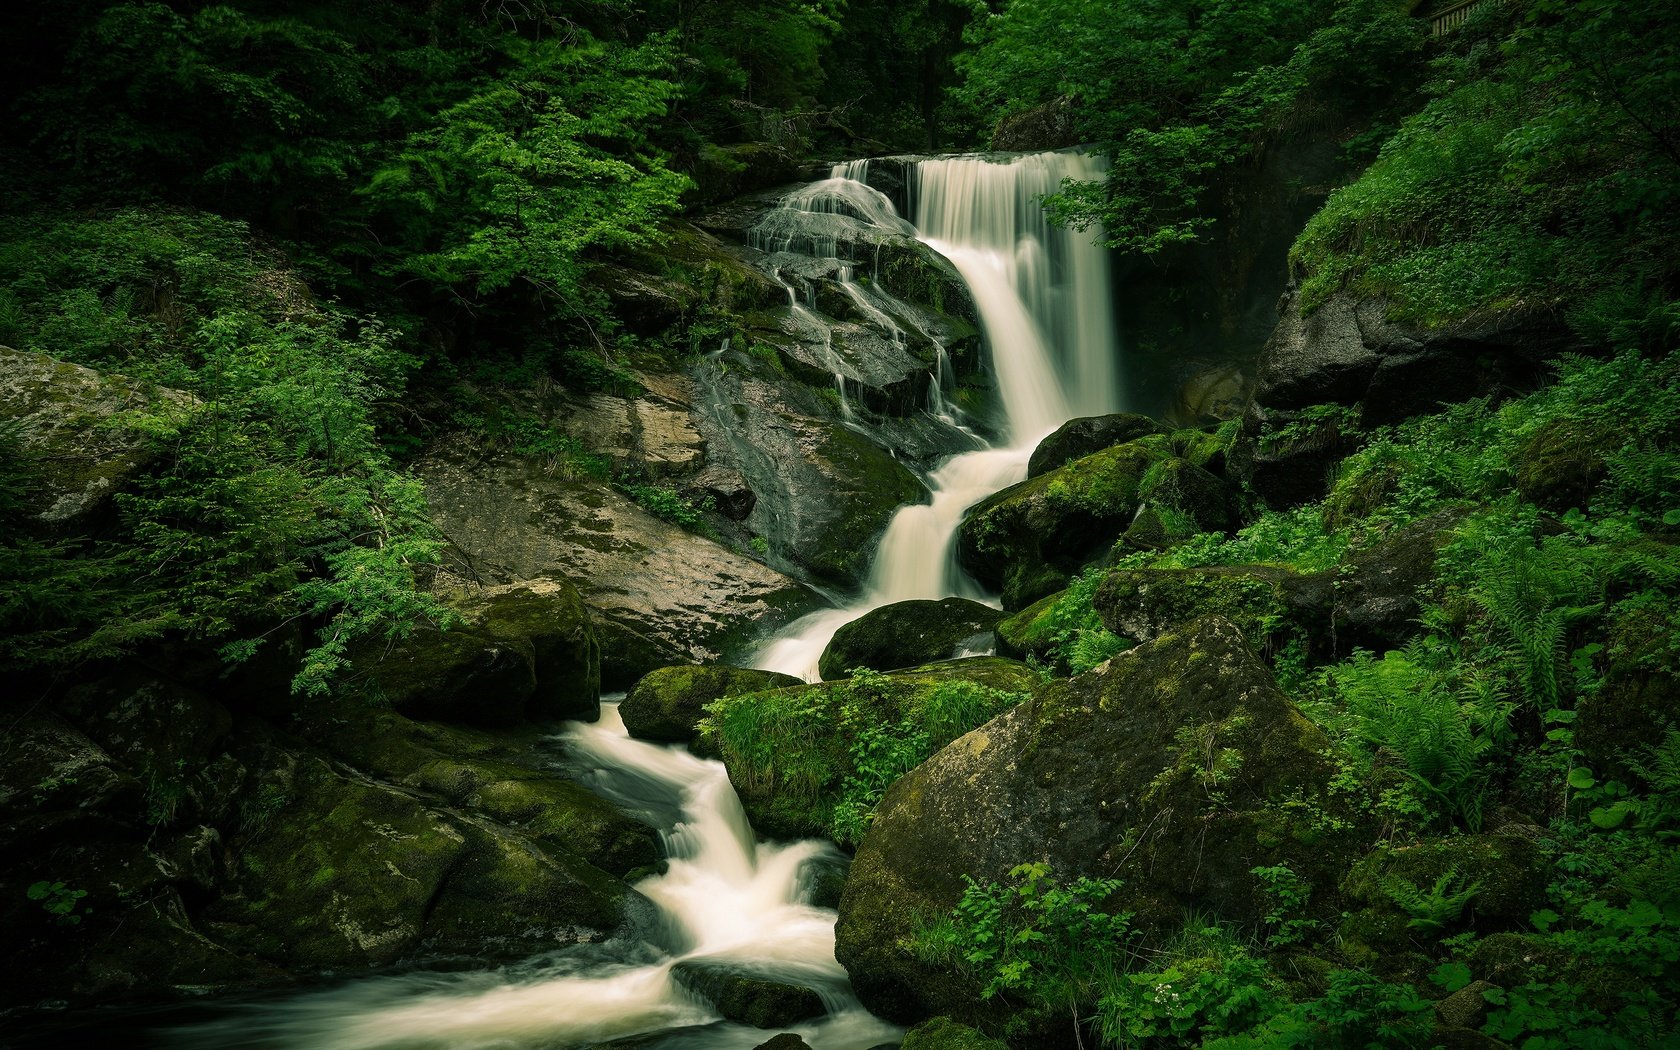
[(789, 750), (1563, 461), (1189, 494), (1029, 539), (1508, 871), (1078, 438), (746, 996), (337, 872), (1638, 700), (1162, 768), (550, 616), (667, 704), (905, 634), (1030, 632), (1261, 601), (1379, 585), (942, 1033), (456, 675)]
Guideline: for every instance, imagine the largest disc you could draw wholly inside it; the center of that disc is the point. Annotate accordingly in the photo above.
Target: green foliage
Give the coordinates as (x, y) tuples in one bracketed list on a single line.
[(1288, 895), (1039, 939), (1204, 985), (1178, 92), (1539, 177), (59, 901), (670, 505), (1357, 1010), (1436, 908), (833, 750), (274, 498)]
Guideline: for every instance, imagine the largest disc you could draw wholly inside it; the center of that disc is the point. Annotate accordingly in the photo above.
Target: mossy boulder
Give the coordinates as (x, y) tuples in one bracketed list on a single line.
[(1564, 460), (905, 634), (1031, 631), (942, 1033), (1029, 539), (336, 872), (1078, 438), (1191, 497), (788, 751), (1637, 702), (1259, 600), (747, 996), (1104, 775), (1379, 586), (70, 422), (667, 704), (524, 652)]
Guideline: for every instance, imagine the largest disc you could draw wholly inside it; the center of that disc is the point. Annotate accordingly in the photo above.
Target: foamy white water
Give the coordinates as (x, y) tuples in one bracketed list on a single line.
[(1044, 302), (724, 898)]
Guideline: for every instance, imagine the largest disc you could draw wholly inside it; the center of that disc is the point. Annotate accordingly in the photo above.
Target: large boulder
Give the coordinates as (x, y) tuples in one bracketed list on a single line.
[(790, 751), (70, 420), (525, 651), (1143, 604), (334, 872), (667, 704), (1029, 539), (1158, 768), (905, 634), (660, 594), (1078, 438), (746, 995)]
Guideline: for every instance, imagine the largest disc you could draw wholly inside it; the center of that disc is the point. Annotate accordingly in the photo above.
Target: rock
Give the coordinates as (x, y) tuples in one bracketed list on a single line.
[(456, 675), (785, 1041), (1143, 604), (335, 872), (746, 996), (686, 597), (549, 615), (1562, 462), (53, 776), (824, 493), (1031, 631), (819, 723), (1049, 125), (1191, 498), (1102, 775), (1286, 457), (1078, 438), (1637, 702), (648, 304), (668, 703), (1217, 392), (1029, 539), (1508, 869), (905, 634), (728, 490), (62, 411), (1377, 586), (725, 171), (942, 1033), (1465, 1008)]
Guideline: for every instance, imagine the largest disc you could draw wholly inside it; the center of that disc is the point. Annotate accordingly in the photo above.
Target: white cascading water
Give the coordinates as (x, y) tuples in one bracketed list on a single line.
[(1044, 301), (725, 898)]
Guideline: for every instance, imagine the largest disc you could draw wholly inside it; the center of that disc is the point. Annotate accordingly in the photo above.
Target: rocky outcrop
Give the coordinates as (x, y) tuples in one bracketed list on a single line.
[(659, 594), (905, 634), (668, 703), (1347, 352), (744, 995), (1105, 775), (77, 419), (1049, 125)]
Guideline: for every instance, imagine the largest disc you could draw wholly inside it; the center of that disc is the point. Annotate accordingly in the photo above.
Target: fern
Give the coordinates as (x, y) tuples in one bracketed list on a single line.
[(1435, 908)]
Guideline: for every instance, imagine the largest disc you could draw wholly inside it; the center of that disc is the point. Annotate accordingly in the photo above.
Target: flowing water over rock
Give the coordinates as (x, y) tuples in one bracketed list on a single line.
[(1044, 303), (725, 902)]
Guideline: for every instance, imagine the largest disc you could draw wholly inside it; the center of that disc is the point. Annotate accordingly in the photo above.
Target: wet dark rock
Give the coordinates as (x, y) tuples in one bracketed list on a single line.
[(1049, 125), (785, 1041), (725, 171), (728, 490), (748, 996), (909, 633), (1078, 438), (668, 703), (1143, 604), (1378, 586), (1101, 775)]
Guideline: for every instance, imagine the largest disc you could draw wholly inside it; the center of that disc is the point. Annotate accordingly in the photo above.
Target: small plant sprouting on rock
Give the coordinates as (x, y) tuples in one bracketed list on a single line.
[(1433, 909), (1288, 893), (59, 901)]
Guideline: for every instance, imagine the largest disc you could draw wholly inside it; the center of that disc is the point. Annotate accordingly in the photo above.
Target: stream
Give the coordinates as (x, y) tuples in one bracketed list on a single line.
[(726, 899)]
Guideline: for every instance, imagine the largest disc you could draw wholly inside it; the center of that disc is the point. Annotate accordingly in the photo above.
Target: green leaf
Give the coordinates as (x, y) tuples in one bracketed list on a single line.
[(1581, 778)]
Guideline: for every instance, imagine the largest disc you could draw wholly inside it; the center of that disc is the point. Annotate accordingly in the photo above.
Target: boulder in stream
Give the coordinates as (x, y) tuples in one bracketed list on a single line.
[(1078, 438), (667, 704), (905, 634)]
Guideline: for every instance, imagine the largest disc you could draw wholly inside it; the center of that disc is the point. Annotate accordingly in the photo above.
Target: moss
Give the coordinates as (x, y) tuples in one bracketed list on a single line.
[(1033, 631), (1143, 603), (905, 634), (942, 1033), (1564, 460), (668, 703)]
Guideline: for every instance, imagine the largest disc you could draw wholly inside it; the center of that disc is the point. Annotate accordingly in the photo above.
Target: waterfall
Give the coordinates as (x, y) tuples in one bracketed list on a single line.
[(1043, 296)]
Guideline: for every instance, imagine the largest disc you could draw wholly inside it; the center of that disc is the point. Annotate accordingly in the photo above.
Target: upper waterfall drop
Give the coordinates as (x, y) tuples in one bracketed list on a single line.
[(1043, 292)]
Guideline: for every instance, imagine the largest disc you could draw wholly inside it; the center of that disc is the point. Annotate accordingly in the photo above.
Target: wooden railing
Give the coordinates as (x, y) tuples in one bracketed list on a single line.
[(1448, 19)]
